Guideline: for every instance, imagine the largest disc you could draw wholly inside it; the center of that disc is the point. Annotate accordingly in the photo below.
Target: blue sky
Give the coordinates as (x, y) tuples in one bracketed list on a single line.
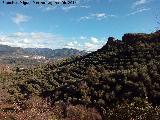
[(85, 25)]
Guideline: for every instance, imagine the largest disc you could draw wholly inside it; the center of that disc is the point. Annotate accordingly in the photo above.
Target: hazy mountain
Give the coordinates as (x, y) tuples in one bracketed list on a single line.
[(8, 51), (57, 53)]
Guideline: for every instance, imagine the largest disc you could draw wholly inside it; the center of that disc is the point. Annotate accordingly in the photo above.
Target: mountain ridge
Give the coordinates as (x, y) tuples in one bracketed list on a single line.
[(6, 50)]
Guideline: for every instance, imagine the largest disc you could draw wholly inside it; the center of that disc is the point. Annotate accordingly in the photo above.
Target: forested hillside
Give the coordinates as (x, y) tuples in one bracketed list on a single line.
[(116, 79)]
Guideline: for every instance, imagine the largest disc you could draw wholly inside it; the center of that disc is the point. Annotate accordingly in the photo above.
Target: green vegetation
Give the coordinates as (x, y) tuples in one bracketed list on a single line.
[(121, 80)]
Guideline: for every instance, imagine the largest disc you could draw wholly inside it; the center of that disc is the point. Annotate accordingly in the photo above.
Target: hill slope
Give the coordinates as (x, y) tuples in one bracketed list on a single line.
[(119, 70)]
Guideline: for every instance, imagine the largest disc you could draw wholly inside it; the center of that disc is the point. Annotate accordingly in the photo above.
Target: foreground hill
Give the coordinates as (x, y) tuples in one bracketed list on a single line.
[(119, 70), (122, 70)]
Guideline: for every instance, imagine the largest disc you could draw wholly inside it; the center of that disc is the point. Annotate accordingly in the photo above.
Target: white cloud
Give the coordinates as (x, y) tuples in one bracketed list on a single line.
[(93, 44), (49, 40), (90, 44), (97, 16), (20, 18), (20, 34), (2, 39), (42, 36), (34, 39), (27, 41), (139, 2), (74, 45), (85, 18), (75, 42), (94, 40), (70, 45), (138, 11), (82, 37), (91, 47)]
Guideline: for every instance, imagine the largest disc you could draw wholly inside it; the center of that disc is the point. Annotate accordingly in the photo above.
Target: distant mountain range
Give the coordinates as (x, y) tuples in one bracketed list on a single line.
[(57, 53), (8, 51)]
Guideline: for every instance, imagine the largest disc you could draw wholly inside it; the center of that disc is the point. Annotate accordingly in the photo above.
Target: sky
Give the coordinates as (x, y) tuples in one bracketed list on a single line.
[(84, 25)]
